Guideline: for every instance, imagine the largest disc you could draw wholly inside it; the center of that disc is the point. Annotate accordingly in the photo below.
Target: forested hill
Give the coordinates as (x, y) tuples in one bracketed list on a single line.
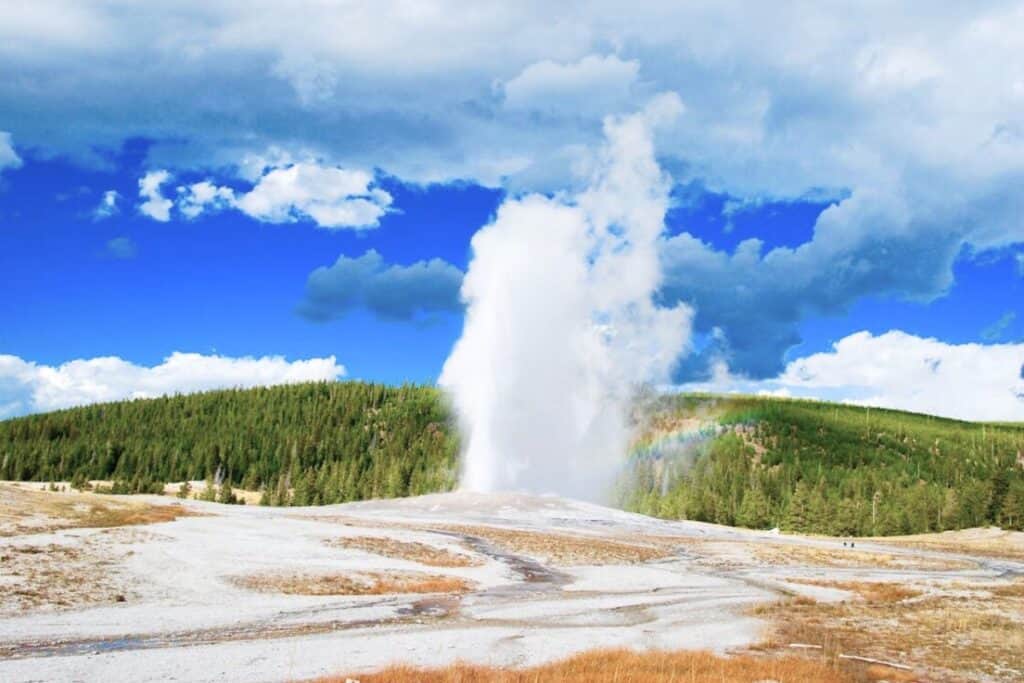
[(824, 468), (306, 444), (759, 462)]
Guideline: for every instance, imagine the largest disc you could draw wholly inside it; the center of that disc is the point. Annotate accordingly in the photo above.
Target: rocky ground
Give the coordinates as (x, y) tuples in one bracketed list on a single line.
[(154, 588)]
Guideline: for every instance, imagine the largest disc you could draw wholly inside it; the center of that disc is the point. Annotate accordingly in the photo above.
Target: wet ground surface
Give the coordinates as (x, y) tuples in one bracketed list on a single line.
[(188, 620)]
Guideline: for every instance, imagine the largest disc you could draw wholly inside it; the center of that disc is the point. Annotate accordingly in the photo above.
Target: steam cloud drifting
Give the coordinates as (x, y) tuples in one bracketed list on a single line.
[(561, 329)]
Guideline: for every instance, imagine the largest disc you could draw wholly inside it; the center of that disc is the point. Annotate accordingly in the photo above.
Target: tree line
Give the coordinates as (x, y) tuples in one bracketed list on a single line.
[(763, 463)]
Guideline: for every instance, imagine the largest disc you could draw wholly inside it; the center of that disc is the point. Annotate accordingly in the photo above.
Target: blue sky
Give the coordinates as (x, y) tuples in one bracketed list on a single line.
[(222, 283), (253, 190)]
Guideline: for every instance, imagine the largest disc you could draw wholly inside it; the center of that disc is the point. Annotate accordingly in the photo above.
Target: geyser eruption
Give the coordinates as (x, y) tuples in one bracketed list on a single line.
[(561, 329)]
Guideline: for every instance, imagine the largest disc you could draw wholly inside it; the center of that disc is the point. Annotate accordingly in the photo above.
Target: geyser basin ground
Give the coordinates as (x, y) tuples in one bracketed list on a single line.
[(254, 594)]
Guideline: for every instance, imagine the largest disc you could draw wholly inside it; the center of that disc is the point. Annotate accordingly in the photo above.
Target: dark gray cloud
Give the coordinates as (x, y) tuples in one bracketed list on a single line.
[(752, 302), (390, 291)]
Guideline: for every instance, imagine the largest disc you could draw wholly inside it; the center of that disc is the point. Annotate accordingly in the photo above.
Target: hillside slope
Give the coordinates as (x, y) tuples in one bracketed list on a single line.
[(306, 444), (747, 461), (823, 468)]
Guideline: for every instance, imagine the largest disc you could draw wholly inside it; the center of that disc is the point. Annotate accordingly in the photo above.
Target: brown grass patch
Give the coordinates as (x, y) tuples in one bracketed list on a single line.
[(967, 634), (872, 591), (1011, 590), (802, 555), (353, 583), (429, 555), (990, 542), (28, 511), (623, 666), (563, 549)]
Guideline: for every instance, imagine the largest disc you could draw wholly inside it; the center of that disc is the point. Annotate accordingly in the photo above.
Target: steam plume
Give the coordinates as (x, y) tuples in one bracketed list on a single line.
[(561, 329)]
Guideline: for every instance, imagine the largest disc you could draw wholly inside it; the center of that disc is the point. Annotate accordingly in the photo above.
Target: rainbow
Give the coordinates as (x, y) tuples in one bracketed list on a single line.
[(659, 443)]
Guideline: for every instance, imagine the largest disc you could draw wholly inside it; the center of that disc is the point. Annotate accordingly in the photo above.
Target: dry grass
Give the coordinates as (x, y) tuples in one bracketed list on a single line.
[(624, 666), (36, 575), (562, 549), (961, 632), (1011, 590), (353, 583), (800, 555), (989, 542), (871, 591), (29, 511), (428, 555)]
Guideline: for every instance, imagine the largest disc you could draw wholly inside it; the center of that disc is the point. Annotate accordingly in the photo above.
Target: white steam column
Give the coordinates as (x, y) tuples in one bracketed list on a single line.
[(561, 328)]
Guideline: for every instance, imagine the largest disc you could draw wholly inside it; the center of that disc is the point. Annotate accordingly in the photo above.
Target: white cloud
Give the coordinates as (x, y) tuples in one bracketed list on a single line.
[(107, 206), (913, 109), (203, 196), (329, 196), (902, 371), (27, 387), (332, 197), (156, 206), (8, 157), (593, 85), (874, 90)]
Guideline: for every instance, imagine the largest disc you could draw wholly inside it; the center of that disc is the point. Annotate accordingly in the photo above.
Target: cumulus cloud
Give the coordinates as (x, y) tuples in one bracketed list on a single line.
[(911, 112), (203, 196), (875, 242), (594, 84), (8, 157), (331, 197), (390, 291), (107, 206), (903, 371), (154, 204), (27, 387), (122, 248), (874, 90)]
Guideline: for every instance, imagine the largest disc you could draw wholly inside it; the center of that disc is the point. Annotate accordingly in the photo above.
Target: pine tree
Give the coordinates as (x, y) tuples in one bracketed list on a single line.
[(755, 510), (210, 491), (797, 517), (1012, 513)]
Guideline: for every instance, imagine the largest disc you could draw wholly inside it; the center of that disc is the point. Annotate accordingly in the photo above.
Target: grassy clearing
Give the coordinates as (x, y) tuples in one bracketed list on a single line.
[(28, 511), (562, 549), (424, 554), (353, 583), (959, 631), (624, 666)]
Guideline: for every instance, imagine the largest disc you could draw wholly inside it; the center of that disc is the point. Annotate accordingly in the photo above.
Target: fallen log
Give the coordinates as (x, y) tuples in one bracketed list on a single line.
[(869, 660)]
